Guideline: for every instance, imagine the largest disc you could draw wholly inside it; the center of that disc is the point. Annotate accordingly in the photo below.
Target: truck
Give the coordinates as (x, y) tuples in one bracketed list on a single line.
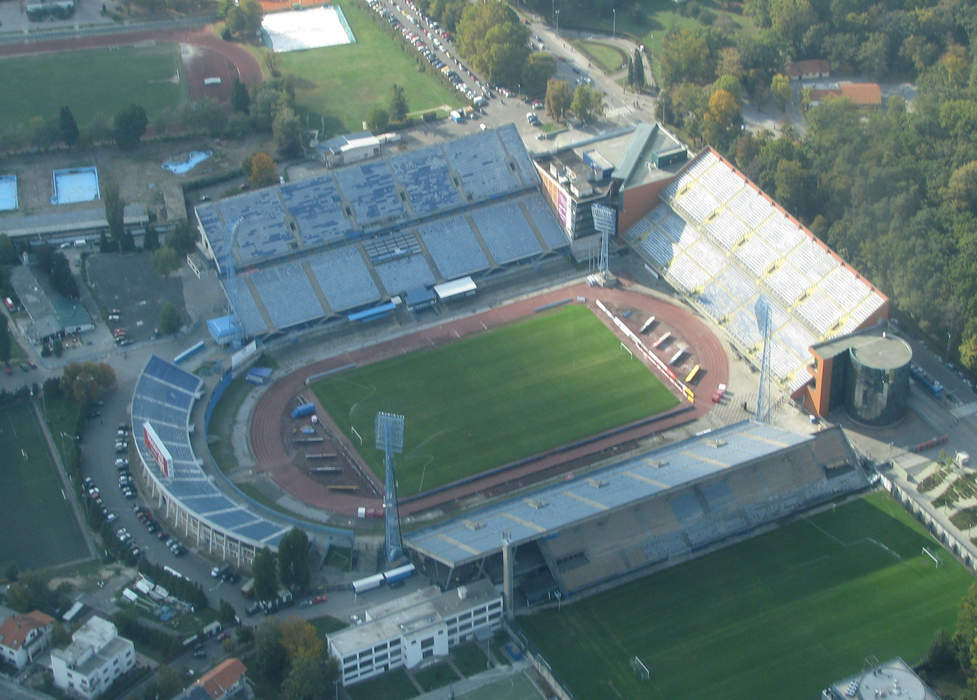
[(212, 630), (247, 590)]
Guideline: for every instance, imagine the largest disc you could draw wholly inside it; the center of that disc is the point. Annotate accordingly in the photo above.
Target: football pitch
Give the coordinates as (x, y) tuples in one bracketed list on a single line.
[(779, 616), (93, 83), (40, 529), (493, 398)]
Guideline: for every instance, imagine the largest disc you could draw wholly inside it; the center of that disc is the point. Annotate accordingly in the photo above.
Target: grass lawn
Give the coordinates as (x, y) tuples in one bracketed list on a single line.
[(41, 528), (469, 658), (493, 398), (343, 83), (221, 426), (326, 624), (390, 686), (92, 82), (608, 58), (792, 609), (436, 676)]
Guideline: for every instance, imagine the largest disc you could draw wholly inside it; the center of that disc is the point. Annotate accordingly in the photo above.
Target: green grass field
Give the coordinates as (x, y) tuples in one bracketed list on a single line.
[(91, 82), (390, 686), (493, 398), (343, 83), (781, 615), (39, 525), (608, 58)]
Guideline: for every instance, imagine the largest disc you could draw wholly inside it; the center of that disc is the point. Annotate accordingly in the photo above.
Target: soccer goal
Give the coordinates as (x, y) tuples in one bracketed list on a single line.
[(640, 669), (935, 558)]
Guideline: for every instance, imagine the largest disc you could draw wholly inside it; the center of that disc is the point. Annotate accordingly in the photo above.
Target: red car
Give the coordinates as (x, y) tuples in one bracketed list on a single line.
[(320, 599)]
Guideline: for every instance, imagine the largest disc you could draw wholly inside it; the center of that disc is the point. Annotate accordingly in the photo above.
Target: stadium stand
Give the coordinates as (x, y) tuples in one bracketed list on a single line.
[(648, 509), (722, 242), (293, 255), (164, 396), (453, 247)]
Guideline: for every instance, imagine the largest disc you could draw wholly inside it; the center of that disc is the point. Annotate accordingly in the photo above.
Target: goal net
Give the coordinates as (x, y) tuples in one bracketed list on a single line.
[(640, 669)]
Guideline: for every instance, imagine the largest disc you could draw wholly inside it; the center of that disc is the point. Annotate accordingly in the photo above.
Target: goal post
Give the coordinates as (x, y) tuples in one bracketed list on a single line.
[(935, 558), (626, 349), (640, 669), (357, 434)]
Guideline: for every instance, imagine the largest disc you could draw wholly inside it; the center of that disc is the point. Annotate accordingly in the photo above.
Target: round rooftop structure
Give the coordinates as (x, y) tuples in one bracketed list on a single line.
[(877, 385)]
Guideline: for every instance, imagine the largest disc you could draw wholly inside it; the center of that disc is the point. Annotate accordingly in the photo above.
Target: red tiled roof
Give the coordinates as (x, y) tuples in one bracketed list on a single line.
[(15, 628), (221, 677), (811, 66), (863, 93)]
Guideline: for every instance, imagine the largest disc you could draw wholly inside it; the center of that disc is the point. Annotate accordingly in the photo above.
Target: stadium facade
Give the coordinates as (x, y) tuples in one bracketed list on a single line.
[(360, 238), (187, 496), (647, 511)]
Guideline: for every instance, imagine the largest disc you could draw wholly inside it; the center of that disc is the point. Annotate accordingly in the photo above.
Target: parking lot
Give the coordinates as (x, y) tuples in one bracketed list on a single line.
[(127, 284)]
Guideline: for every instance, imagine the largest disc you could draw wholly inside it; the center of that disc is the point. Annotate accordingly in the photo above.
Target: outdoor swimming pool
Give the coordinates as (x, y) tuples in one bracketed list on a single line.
[(75, 185)]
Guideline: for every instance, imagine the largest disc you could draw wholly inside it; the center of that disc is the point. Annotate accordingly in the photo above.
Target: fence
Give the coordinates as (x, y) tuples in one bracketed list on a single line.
[(539, 662)]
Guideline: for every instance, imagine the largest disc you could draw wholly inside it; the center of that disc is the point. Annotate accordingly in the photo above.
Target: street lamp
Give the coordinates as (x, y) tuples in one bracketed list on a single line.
[(614, 25), (557, 13)]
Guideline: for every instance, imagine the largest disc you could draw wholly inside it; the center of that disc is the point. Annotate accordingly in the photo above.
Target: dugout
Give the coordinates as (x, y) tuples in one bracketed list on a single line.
[(419, 299), (456, 289)]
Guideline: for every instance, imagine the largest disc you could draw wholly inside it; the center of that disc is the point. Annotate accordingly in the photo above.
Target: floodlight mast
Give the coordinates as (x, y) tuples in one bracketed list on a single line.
[(389, 434), (762, 310)]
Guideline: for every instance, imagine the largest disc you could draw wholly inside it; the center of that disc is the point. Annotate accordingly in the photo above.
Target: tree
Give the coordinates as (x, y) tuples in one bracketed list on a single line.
[(130, 125), (398, 104), (61, 278), (379, 119), (293, 559), (69, 128), (165, 261), (168, 682), (234, 20), (4, 340), (685, 58), (300, 639), (309, 679), (638, 64), (588, 103), (240, 99), (150, 239), (271, 659), (183, 238), (252, 17), (8, 253), (491, 37), (261, 170), (781, 90), (169, 319), (722, 119), (539, 68), (559, 96), (287, 132), (114, 213), (265, 575), (630, 71), (86, 381), (226, 613), (207, 114)]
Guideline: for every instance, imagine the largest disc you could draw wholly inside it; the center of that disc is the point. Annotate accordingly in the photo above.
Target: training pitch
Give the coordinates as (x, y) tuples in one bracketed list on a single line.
[(40, 529), (93, 83), (779, 616), (344, 83), (491, 399)]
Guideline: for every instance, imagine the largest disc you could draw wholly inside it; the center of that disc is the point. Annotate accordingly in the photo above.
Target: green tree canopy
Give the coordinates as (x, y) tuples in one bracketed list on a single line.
[(379, 119), (588, 103), (165, 261), (398, 104), (265, 575), (490, 35), (293, 559), (130, 125), (169, 319), (287, 132), (69, 128), (539, 68), (559, 97), (240, 99)]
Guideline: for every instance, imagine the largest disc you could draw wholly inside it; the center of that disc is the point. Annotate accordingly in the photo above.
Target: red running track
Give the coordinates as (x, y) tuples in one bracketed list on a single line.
[(271, 411)]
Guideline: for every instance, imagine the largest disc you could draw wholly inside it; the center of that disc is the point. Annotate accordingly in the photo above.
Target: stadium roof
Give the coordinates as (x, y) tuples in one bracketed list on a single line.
[(721, 240), (638, 167), (164, 397), (547, 510)]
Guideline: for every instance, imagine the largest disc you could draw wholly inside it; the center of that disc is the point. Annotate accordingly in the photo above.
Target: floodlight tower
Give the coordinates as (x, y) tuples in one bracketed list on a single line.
[(762, 310), (605, 221), (389, 431), (227, 268)]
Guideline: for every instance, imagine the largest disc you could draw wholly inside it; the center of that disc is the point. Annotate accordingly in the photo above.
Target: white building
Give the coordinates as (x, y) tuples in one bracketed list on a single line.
[(415, 627), (23, 637), (96, 656)]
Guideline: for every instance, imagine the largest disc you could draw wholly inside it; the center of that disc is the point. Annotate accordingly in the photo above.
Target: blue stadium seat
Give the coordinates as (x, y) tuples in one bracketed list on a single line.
[(506, 232), (453, 247)]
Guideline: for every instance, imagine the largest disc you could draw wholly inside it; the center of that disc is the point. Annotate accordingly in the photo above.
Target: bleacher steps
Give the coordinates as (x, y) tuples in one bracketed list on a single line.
[(266, 317), (478, 237)]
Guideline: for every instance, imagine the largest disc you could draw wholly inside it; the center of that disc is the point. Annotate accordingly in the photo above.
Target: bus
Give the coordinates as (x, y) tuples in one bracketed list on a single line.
[(693, 373)]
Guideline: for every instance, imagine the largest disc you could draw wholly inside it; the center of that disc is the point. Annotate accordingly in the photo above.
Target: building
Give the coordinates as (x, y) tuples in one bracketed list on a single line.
[(50, 314), (422, 625), (23, 637), (57, 227), (863, 94), (224, 681), (625, 170), (348, 148), (891, 679), (810, 69), (96, 657), (867, 371)]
